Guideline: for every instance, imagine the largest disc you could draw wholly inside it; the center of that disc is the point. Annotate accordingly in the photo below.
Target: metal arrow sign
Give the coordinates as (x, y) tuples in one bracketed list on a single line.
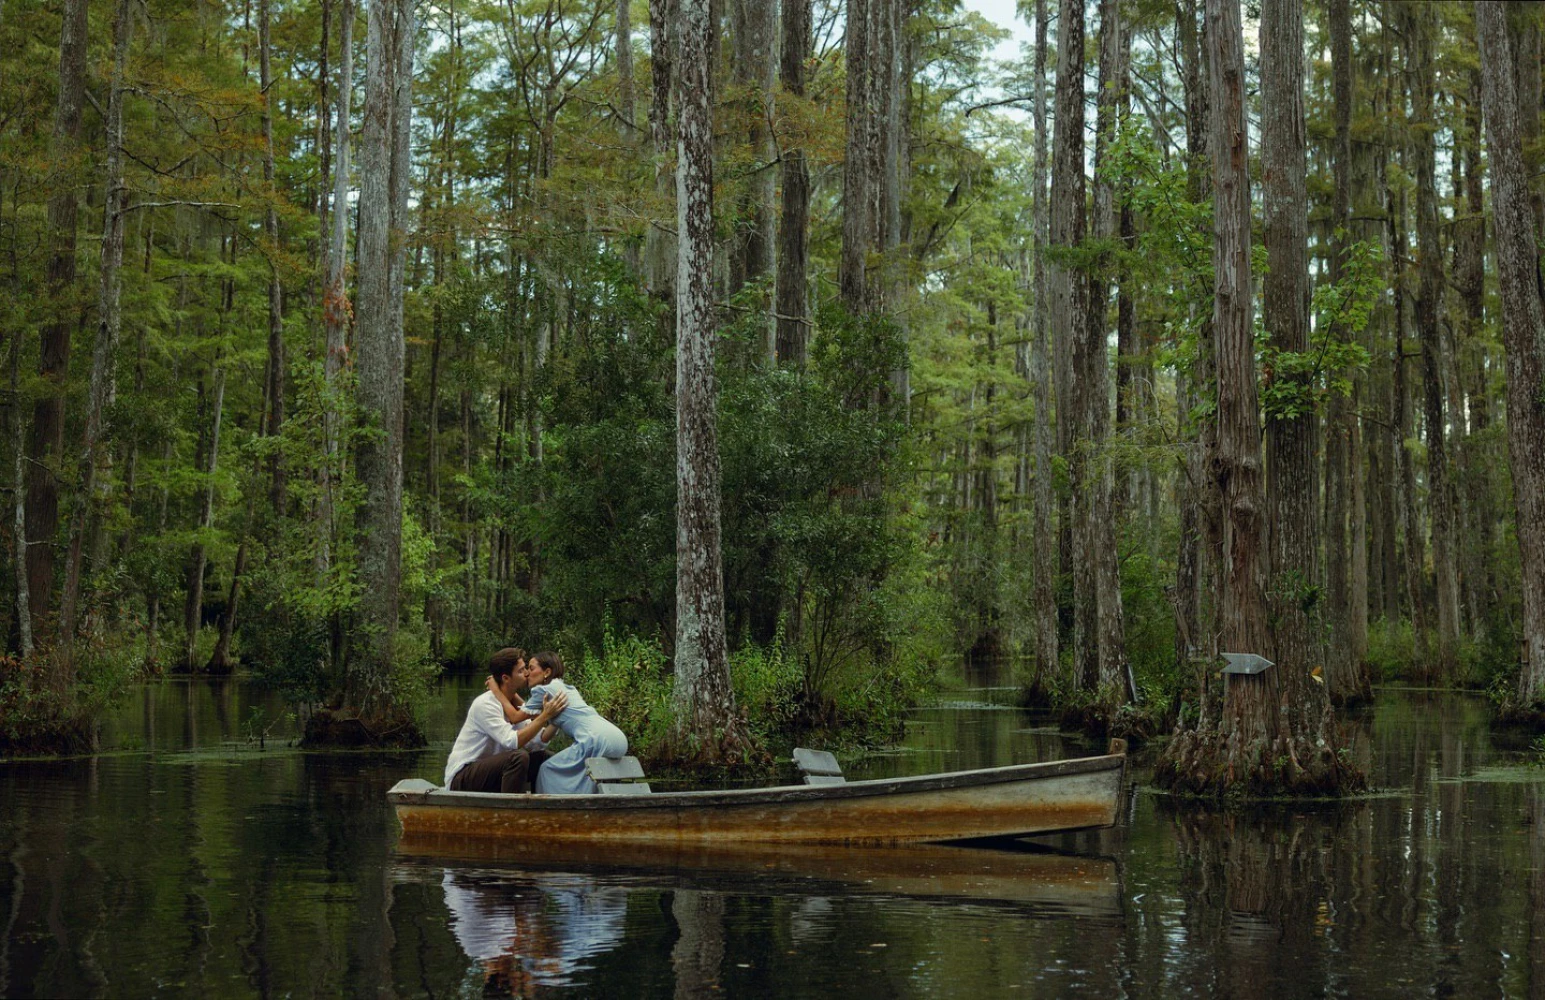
[(1245, 663)]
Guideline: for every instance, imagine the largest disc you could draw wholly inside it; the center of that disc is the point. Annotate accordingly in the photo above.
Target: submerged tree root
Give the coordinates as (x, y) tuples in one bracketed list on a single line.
[(1100, 719), (1208, 764)]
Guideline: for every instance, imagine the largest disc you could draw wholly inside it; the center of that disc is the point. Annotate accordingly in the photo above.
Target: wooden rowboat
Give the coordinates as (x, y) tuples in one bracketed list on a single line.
[(1017, 800)]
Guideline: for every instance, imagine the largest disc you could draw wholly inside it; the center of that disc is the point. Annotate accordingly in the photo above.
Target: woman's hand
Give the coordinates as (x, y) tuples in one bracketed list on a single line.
[(498, 692)]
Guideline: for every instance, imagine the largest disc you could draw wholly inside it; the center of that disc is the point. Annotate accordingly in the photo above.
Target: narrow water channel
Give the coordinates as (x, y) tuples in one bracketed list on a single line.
[(188, 860)]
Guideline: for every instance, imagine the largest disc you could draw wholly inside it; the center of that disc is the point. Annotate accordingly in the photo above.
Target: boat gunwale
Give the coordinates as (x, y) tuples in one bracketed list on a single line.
[(1013, 773)]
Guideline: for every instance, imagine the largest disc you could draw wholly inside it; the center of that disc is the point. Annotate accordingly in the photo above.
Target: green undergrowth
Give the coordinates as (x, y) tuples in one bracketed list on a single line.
[(40, 716), (629, 680)]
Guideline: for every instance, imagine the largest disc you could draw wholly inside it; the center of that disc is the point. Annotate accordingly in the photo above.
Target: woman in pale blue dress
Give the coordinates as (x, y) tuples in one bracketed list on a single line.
[(564, 773)]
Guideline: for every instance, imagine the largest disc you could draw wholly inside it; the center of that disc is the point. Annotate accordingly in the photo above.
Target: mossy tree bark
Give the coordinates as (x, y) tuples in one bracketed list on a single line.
[(367, 708), (791, 296), (1269, 738), (1044, 596), (1523, 334), (706, 713)]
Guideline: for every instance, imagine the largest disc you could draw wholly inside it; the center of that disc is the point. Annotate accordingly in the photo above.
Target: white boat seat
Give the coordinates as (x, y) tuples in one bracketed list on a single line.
[(818, 767), (623, 787), (617, 775)]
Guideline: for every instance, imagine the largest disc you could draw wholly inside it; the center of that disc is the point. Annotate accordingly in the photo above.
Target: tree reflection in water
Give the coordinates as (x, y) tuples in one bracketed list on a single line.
[(1253, 889)]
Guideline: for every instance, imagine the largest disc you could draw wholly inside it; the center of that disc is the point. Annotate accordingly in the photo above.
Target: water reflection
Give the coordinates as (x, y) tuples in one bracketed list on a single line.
[(206, 866), (532, 931)]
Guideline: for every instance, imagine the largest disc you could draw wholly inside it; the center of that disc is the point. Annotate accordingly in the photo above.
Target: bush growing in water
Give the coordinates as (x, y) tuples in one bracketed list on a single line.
[(629, 681), (35, 717)]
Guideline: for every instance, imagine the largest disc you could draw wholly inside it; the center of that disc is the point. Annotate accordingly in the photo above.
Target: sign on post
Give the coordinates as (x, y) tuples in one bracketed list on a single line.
[(1245, 663)]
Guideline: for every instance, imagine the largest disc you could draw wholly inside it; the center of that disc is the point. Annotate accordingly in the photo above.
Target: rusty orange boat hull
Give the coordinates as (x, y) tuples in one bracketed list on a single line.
[(1018, 800)]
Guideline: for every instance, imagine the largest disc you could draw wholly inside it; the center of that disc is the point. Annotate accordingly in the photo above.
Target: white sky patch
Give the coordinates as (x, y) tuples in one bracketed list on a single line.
[(1003, 14)]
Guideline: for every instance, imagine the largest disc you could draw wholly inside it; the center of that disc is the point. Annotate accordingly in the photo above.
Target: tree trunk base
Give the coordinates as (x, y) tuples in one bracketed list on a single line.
[(1208, 764), (725, 748), (342, 728), (221, 664), (1358, 698)]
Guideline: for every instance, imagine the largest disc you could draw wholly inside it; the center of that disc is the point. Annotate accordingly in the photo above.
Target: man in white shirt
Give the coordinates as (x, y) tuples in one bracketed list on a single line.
[(491, 755)]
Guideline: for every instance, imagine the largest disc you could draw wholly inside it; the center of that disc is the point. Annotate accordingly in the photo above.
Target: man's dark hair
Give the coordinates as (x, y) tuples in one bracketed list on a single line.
[(504, 663), (550, 661)]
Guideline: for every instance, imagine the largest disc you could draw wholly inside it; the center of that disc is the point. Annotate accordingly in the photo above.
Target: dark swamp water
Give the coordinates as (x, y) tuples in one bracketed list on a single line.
[(190, 862)]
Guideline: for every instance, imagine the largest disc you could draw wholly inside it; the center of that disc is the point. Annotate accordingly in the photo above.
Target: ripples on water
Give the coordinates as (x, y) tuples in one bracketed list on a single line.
[(196, 863)]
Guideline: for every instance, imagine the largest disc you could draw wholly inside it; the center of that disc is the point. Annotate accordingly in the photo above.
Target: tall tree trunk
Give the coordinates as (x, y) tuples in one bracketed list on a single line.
[(1099, 491), (755, 41), (859, 179), (220, 660), (1429, 304), (1344, 678), (1265, 741), (1292, 485), (1197, 502), (1387, 445), (1044, 596), (1470, 280), (659, 242), (18, 505), (275, 373), (335, 300), (623, 47), (1524, 32), (193, 606), (1414, 551), (705, 700), (45, 443), (109, 319), (1523, 334), (380, 351), (1237, 466), (1068, 303), (792, 297)]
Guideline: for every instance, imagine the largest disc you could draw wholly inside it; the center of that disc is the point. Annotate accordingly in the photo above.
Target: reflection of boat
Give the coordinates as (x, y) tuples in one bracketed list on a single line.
[(993, 802), (1050, 881)]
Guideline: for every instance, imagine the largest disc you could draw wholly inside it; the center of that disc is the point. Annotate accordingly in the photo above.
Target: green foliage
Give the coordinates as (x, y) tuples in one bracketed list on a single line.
[(1391, 650), (1293, 383), (37, 716)]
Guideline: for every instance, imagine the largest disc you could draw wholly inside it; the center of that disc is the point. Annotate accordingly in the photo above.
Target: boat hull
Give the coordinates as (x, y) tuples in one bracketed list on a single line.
[(997, 802)]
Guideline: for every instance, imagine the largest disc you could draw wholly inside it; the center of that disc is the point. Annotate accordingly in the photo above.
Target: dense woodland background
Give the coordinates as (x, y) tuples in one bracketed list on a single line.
[(346, 343)]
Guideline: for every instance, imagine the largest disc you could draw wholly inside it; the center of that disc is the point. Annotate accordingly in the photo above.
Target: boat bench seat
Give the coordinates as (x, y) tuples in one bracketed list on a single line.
[(818, 767), (617, 775)]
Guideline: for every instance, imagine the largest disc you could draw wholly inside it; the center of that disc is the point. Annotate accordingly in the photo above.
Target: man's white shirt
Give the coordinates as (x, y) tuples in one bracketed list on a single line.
[(485, 732)]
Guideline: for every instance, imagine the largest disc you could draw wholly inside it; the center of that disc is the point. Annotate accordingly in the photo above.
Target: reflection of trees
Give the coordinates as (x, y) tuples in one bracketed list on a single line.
[(1253, 902), (1536, 855), (699, 950)]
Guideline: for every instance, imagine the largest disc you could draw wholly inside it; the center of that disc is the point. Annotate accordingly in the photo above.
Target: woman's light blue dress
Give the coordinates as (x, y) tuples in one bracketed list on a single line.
[(564, 773)]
